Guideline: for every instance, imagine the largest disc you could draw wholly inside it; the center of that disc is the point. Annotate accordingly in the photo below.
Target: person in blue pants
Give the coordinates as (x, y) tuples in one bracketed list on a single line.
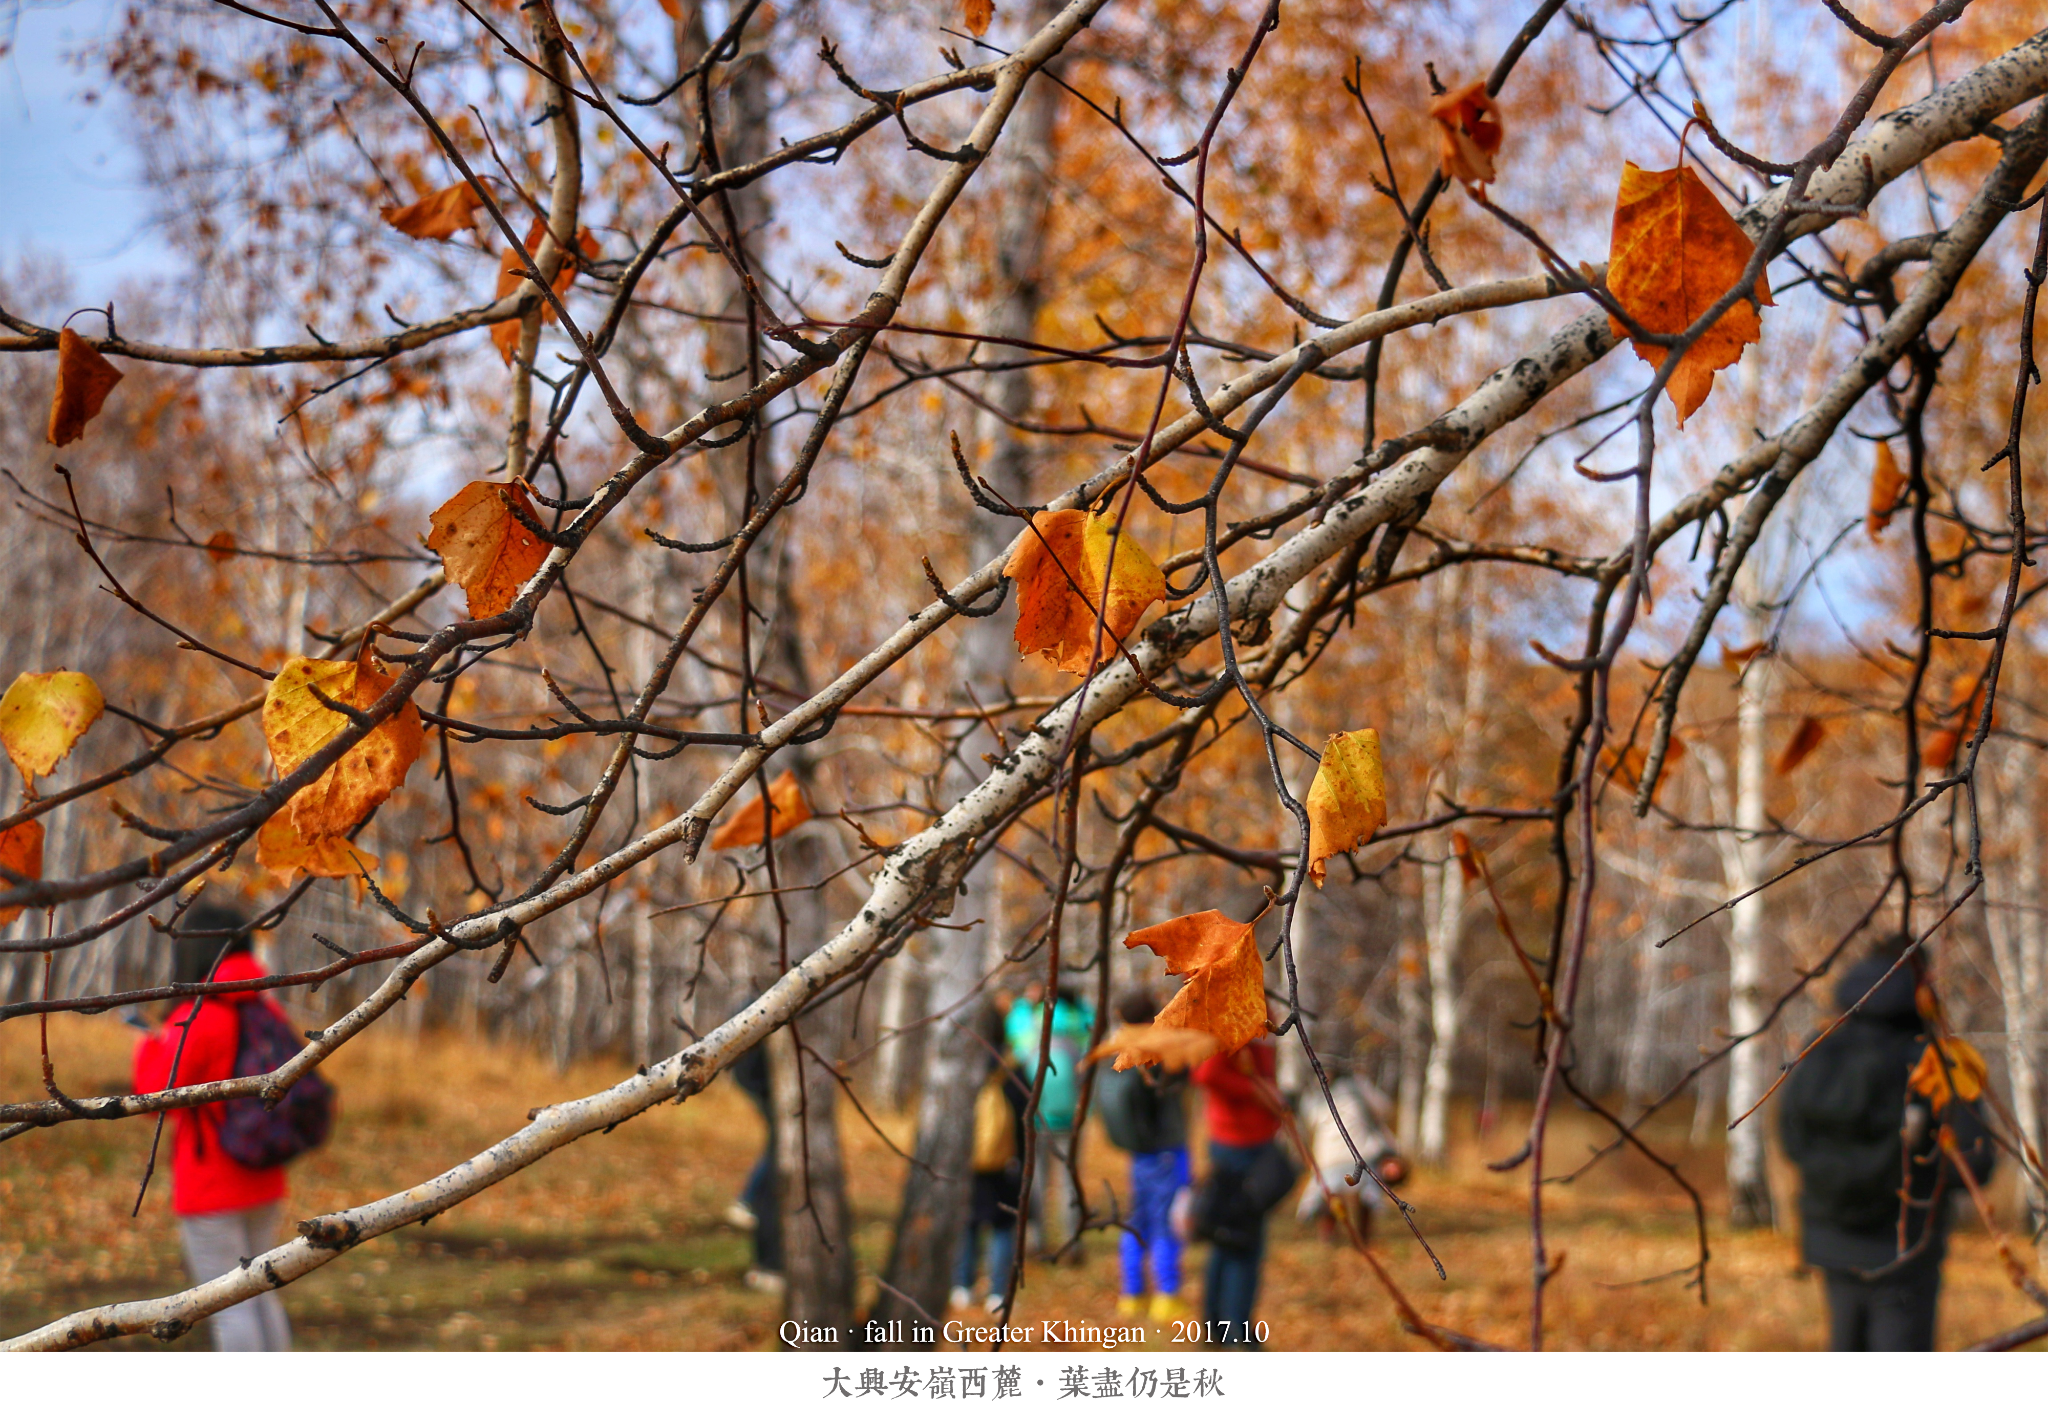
[(1144, 1111)]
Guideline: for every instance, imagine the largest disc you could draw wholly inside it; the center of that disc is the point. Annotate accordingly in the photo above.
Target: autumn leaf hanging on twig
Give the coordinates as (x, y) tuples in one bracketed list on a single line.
[(1224, 993), (437, 216), (84, 379), (42, 716), (1060, 568), (1469, 132), (976, 15), (790, 809), (1675, 252), (1150, 1044), (1347, 801), (512, 271), (1966, 1070), (21, 852), (485, 549), (296, 724), (1887, 480), (1806, 739)]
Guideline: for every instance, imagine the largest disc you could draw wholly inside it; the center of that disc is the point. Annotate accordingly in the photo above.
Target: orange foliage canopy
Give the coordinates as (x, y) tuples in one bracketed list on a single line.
[(21, 853), (786, 809), (84, 379), (1347, 802), (42, 716), (296, 725), (485, 549), (1675, 252), (1061, 570), (1225, 991), (1469, 131), (437, 216)]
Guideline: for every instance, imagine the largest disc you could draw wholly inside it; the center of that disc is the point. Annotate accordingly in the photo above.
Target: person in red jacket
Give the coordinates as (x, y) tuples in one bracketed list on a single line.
[(226, 1211), (1242, 1106)]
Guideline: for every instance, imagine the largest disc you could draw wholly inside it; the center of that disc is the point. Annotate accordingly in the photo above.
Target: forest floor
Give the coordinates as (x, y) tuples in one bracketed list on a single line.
[(618, 1242)]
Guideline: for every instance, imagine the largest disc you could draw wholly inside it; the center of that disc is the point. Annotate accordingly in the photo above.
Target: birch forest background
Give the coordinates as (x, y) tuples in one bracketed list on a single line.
[(788, 521)]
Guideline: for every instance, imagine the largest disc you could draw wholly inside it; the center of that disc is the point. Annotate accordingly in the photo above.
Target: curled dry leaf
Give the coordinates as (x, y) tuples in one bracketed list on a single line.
[(42, 716), (1150, 1044), (1225, 991), (296, 724), (1675, 252), (1061, 568), (1887, 481), (21, 853), (84, 378), (1966, 1070), (787, 808), (1347, 801), (1806, 739), (437, 216), (976, 15), (485, 549), (1469, 132), (1467, 857), (512, 271)]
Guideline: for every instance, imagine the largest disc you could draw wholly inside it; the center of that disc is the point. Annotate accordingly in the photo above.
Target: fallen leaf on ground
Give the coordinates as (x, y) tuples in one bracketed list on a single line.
[(1966, 1069), (1886, 482), (437, 216), (1224, 993), (1806, 739), (745, 827), (512, 271), (1060, 569), (485, 549), (1469, 132), (84, 378), (21, 852), (1149, 1044), (42, 716), (1347, 801), (1675, 252), (296, 725)]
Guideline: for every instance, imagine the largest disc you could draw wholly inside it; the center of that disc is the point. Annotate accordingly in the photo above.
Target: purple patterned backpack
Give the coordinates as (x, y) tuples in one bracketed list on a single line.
[(259, 1136)]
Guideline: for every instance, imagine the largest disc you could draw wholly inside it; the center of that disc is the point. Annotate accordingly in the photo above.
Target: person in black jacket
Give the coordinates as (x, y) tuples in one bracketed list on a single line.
[(1860, 1135)]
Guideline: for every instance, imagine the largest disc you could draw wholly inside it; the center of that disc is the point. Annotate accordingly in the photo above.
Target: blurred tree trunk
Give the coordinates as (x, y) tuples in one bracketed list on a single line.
[(1444, 879), (1749, 1195), (935, 1195), (2019, 945)]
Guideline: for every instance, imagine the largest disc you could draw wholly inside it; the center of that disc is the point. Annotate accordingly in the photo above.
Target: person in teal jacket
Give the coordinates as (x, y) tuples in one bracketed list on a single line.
[(1073, 1022)]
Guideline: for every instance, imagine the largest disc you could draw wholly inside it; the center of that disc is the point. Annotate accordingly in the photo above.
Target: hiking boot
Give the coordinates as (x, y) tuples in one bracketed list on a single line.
[(1130, 1305)]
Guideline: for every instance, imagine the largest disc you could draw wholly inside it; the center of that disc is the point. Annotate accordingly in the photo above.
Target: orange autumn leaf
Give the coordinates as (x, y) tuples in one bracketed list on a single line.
[(84, 378), (438, 216), (221, 546), (1149, 1044), (1060, 571), (42, 716), (283, 849), (790, 809), (1628, 764), (1806, 739), (512, 271), (976, 15), (1966, 1070), (1469, 132), (1224, 993), (1347, 801), (21, 852), (1467, 857), (1887, 480), (296, 725), (1675, 252), (485, 549)]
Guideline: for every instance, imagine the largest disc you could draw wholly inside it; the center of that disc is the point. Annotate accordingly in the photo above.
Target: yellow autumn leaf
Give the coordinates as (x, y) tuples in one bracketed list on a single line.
[(1061, 568), (42, 716), (296, 725), (1965, 1068), (1347, 802)]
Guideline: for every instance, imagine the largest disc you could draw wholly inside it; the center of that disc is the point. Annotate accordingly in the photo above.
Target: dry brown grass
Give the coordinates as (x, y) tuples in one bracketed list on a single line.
[(616, 1242)]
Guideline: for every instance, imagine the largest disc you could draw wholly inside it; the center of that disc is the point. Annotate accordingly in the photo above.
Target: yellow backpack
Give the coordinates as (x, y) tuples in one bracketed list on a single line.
[(995, 1127)]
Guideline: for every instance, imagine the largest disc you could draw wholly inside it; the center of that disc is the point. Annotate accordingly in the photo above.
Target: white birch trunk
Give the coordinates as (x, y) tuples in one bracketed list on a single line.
[(1749, 1195)]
